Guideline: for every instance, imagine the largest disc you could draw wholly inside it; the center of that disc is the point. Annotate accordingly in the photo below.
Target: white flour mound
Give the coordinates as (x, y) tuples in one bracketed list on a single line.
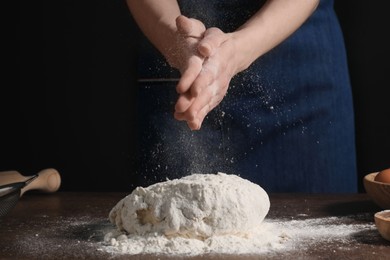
[(197, 206)]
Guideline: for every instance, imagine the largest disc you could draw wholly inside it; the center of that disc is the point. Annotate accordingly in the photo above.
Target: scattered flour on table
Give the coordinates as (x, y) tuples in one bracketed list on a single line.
[(211, 214), (273, 236)]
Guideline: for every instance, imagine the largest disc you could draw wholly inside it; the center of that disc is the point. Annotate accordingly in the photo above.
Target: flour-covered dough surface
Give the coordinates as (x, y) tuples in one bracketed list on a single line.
[(195, 206)]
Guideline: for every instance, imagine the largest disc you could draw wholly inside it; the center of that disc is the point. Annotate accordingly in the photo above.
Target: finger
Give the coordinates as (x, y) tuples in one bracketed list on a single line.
[(196, 124), (179, 116), (193, 125), (202, 115), (212, 40), (189, 74), (190, 27), (205, 79), (184, 102), (201, 101)]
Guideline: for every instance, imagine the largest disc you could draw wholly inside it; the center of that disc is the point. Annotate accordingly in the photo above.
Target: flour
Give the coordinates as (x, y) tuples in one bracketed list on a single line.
[(197, 206), (205, 214), (271, 237)]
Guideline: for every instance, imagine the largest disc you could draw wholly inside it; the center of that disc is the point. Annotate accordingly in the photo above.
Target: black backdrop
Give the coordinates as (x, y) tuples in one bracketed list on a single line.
[(70, 102)]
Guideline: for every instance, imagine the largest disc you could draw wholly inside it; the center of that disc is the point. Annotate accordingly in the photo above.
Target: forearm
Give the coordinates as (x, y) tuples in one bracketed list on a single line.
[(272, 24), (156, 19)]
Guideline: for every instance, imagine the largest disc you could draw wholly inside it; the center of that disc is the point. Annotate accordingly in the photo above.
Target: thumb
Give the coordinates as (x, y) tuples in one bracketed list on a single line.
[(190, 27), (213, 39)]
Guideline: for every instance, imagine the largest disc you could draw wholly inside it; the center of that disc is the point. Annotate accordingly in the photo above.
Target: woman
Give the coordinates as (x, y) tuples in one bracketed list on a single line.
[(265, 83)]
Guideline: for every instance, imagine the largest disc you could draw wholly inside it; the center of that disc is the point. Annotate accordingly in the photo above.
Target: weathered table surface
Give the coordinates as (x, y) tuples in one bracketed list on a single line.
[(71, 225)]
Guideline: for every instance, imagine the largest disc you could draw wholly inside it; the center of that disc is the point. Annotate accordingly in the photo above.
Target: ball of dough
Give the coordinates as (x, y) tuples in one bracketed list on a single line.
[(195, 206)]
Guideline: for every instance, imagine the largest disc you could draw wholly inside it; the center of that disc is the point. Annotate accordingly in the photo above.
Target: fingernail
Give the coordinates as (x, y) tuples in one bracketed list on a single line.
[(197, 124)]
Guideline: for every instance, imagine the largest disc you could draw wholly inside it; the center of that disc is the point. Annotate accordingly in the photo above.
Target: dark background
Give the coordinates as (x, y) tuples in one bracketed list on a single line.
[(69, 101)]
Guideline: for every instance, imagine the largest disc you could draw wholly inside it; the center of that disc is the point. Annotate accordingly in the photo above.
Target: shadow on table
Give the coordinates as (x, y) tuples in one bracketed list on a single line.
[(360, 211), (370, 237), (90, 231), (352, 208)]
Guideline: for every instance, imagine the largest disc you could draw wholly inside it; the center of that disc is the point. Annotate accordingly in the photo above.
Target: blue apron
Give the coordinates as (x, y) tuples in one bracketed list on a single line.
[(286, 122)]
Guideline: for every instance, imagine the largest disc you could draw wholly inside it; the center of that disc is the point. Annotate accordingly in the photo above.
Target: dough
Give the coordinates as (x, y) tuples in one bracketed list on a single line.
[(195, 206)]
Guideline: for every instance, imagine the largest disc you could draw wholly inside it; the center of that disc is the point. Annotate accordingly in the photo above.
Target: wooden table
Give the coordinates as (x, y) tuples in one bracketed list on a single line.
[(69, 225)]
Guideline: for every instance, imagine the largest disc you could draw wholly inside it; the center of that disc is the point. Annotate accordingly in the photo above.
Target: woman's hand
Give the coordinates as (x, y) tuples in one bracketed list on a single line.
[(184, 55), (199, 95)]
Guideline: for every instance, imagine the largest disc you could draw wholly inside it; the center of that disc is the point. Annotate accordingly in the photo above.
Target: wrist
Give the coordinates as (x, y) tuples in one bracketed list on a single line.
[(245, 51)]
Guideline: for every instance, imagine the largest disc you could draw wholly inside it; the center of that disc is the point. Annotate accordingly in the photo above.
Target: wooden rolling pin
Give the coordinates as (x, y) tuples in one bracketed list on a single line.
[(48, 180)]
